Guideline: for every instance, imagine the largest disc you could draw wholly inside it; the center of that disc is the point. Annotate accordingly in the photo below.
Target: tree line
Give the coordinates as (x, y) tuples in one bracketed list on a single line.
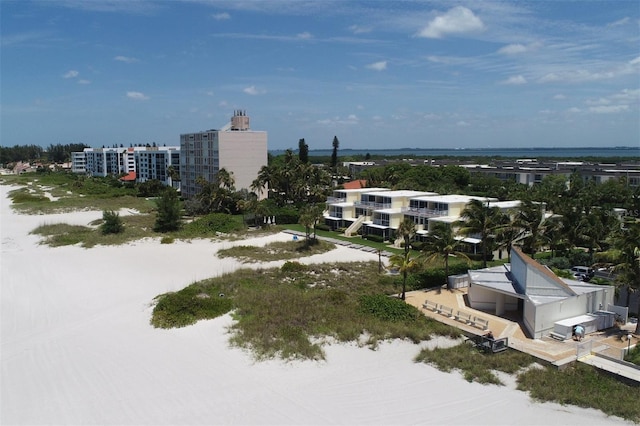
[(58, 153)]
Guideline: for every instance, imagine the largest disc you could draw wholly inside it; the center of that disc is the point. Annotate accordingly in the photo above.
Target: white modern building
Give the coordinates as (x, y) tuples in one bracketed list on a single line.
[(236, 148), (145, 162), (546, 303)]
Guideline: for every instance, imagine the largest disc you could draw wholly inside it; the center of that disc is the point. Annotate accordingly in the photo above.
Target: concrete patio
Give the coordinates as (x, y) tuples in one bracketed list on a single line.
[(606, 344)]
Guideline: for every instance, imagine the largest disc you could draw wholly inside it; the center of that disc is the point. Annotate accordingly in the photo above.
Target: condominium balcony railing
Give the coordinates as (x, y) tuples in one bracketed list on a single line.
[(372, 205), (335, 200), (424, 212)]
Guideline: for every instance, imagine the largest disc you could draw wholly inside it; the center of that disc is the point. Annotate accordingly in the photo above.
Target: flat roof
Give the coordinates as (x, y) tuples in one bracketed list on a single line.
[(452, 198), (400, 193)]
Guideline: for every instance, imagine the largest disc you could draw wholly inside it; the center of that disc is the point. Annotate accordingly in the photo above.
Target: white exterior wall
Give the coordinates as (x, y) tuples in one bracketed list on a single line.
[(78, 162), (243, 153), (546, 315), (485, 299)]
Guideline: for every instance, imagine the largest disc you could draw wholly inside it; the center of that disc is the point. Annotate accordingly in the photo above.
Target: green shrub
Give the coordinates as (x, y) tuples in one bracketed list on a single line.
[(557, 262), (166, 240), (112, 223), (375, 238), (188, 306), (387, 308), (293, 267), (417, 245), (633, 356), (323, 227)]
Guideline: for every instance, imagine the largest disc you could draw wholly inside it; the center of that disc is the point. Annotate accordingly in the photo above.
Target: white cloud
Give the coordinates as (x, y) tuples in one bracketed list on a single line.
[(304, 36), (223, 16), (357, 29), (515, 80), (137, 96), (209, 93), (458, 20), (350, 119), (378, 66), (84, 82), (619, 22), (463, 123), (253, 91), (126, 59), (71, 74), (609, 109), (627, 95), (513, 49), (574, 110), (559, 97), (601, 101)]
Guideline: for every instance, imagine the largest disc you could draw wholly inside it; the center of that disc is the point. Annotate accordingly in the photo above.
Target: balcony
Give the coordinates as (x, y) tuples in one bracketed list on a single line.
[(381, 222), (372, 205), (424, 212), (335, 200)]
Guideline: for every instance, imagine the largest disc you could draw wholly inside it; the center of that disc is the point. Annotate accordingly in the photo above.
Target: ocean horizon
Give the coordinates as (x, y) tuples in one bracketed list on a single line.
[(625, 151)]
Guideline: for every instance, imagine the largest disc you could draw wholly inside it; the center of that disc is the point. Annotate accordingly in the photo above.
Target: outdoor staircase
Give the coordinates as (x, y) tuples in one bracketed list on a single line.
[(354, 227)]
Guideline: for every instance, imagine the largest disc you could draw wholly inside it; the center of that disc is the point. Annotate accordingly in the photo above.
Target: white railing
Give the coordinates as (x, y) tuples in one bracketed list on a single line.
[(372, 205), (424, 212), (335, 200)]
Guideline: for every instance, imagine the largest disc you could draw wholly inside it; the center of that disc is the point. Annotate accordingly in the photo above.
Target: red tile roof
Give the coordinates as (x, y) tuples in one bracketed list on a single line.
[(130, 177), (355, 184)]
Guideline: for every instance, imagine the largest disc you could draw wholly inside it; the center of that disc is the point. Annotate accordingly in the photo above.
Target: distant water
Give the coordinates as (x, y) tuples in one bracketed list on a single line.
[(485, 152)]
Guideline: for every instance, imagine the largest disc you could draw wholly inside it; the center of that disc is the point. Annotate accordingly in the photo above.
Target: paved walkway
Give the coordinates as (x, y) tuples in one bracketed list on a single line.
[(342, 243)]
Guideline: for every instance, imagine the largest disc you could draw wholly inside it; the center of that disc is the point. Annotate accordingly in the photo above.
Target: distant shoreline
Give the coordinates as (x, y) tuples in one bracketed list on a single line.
[(552, 152)]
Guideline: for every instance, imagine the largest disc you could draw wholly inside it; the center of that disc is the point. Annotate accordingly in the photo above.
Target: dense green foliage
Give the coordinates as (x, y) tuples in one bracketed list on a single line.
[(169, 211), (212, 225), (280, 311), (276, 251), (189, 305), (112, 223), (633, 356)]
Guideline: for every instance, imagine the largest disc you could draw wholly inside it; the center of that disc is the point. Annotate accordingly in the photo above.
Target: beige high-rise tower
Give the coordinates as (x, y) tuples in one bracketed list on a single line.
[(235, 147)]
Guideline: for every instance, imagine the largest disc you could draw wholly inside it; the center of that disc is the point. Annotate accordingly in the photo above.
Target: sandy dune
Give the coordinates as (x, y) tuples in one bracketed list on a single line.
[(77, 348)]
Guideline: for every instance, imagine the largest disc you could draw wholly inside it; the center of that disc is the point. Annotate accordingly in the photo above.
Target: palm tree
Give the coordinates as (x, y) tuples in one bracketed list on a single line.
[(530, 218), (627, 263), (440, 244), (508, 232), (478, 218), (225, 179), (406, 230), (405, 264)]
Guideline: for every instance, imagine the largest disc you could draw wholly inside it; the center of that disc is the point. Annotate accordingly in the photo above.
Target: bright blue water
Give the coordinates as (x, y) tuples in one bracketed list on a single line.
[(487, 152)]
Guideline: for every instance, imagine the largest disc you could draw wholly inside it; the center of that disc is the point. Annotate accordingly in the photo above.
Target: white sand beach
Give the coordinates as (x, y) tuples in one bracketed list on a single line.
[(77, 348)]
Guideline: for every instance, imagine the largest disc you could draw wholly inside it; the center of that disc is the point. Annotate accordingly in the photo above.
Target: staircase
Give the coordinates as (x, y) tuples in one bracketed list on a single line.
[(354, 227)]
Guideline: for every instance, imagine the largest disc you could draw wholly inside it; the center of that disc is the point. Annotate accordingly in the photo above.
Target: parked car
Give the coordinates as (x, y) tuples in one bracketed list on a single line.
[(582, 273)]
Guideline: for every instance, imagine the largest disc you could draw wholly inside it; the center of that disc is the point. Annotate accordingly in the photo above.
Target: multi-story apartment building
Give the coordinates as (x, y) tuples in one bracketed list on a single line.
[(380, 211), (236, 148), (154, 163), (78, 162), (145, 162)]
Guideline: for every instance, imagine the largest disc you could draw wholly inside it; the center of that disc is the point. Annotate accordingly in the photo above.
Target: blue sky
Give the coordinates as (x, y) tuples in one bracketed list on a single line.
[(377, 74)]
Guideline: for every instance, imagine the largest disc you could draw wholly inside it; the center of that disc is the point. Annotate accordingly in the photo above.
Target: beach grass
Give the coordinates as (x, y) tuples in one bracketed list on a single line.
[(286, 312), (136, 227), (579, 384), (584, 386), (279, 250), (474, 364)]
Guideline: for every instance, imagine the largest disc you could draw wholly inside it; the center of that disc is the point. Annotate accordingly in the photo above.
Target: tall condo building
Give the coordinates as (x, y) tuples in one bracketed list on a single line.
[(236, 148)]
